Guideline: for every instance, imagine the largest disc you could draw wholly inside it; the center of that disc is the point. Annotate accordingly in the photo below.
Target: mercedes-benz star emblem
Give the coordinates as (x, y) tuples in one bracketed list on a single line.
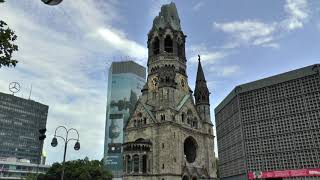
[(14, 87)]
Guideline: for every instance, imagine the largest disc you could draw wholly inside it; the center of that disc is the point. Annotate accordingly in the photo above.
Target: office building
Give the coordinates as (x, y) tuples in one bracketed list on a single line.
[(125, 82), (270, 128), (17, 169), (20, 121)]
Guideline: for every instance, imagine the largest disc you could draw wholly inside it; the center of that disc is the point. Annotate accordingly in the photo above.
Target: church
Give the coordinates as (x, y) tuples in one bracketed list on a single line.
[(169, 135)]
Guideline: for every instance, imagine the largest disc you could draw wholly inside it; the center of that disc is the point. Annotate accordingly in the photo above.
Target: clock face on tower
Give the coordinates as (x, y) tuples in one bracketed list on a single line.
[(183, 84)]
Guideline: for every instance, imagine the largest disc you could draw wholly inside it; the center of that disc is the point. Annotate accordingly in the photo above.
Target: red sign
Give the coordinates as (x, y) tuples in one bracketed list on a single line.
[(284, 173)]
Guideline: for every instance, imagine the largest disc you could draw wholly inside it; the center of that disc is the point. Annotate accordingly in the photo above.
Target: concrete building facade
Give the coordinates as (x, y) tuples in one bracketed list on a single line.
[(270, 128), (20, 121), (169, 135), (125, 81), (17, 169)]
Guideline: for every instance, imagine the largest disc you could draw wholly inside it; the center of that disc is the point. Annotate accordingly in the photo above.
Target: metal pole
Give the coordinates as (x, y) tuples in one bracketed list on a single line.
[(66, 140), (64, 159)]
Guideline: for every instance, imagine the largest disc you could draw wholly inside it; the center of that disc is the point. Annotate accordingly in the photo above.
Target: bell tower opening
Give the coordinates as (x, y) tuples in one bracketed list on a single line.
[(168, 44), (156, 46)]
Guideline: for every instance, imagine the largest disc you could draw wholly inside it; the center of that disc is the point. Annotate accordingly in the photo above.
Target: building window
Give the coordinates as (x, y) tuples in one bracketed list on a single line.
[(144, 163), (136, 163), (163, 117), (129, 164), (168, 44), (145, 120), (156, 46), (182, 117), (162, 166)]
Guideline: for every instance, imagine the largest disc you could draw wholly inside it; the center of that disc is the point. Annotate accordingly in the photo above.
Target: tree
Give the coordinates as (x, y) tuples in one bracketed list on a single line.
[(78, 170), (7, 46)]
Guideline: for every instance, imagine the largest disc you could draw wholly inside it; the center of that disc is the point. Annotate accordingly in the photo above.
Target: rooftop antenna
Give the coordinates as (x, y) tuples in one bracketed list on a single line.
[(30, 92)]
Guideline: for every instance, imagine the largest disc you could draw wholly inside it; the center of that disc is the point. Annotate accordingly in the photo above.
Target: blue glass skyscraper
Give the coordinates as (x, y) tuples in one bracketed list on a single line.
[(125, 82)]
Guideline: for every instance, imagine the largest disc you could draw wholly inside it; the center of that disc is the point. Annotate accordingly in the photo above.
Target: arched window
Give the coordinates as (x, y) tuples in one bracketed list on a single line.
[(190, 149), (182, 117), (144, 163), (168, 44), (136, 163), (156, 46), (129, 164)]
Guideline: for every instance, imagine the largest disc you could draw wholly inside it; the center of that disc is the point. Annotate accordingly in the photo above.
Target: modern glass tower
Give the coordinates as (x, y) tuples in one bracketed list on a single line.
[(125, 81), (20, 121)]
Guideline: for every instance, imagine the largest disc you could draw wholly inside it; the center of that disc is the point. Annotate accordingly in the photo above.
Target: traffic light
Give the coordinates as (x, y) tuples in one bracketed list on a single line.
[(42, 135)]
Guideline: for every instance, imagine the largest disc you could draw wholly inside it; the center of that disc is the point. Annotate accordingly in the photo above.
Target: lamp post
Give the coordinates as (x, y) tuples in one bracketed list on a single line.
[(52, 2), (54, 143)]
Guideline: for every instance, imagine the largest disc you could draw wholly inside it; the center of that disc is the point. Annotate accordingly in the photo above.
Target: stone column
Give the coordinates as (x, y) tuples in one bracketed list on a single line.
[(132, 164), (175, 45)]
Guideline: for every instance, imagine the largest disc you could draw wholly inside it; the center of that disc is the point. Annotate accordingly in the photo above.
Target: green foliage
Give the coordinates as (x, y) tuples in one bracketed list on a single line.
[(31, 177), (7, 46), (78, 170)]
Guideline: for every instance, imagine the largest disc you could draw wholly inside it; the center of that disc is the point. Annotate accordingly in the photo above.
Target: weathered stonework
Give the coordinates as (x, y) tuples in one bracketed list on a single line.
[(169, 134)]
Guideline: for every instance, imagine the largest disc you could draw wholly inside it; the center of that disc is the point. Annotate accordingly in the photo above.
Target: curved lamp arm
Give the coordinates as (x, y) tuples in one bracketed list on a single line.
[(60, 137), (75, 131), (55, 132)]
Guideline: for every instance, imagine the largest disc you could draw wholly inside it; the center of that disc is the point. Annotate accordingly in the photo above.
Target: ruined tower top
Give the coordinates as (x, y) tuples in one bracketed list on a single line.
[(168, 17)]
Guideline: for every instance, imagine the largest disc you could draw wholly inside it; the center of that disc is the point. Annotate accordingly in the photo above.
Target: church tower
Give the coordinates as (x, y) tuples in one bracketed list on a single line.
[(169, 136)]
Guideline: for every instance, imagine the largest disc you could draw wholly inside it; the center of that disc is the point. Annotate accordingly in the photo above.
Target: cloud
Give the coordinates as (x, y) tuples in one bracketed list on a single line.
[(258, 33), (207, 56), (249, 32), (121, 43), (225, 70), (197, 6), (65, 60), (297, 12)]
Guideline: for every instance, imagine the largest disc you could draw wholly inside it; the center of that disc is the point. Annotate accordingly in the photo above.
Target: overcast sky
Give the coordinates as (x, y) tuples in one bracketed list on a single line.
[(65, 51)]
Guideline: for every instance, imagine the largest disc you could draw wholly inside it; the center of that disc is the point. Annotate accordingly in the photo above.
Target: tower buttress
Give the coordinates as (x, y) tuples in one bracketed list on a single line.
[(201, 94)]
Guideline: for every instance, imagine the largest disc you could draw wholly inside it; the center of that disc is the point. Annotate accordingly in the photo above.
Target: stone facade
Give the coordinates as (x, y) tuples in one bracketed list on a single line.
[(169, 135)]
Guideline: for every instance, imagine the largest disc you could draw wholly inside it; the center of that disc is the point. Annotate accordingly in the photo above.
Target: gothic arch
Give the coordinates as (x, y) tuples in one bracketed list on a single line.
[(168, 44), (140, 140), (190, 147), (156, 45)]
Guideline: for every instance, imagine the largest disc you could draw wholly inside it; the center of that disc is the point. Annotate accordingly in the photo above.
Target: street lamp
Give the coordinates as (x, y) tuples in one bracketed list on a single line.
[(54, 143), (52, 2)]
